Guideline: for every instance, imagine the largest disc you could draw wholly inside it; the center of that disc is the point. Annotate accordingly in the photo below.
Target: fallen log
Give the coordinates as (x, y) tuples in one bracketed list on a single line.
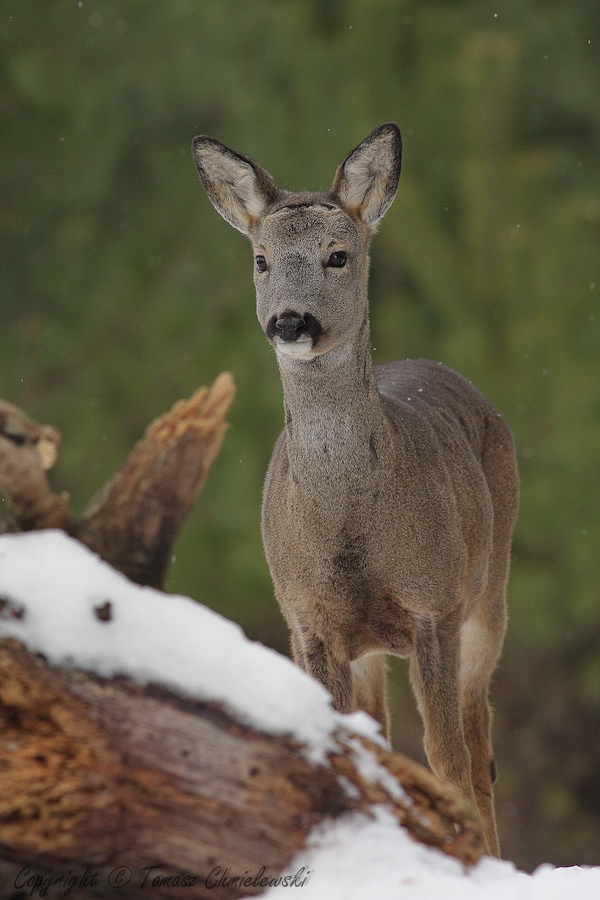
[(114, 776)]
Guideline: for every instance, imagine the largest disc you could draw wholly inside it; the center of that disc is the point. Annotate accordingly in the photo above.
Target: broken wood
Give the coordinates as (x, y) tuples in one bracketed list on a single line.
[(27, 451), (134, 521), (107, 773)]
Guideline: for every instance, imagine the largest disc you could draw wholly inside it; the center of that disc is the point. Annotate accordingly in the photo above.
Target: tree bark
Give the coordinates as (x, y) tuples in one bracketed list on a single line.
[(134, 521), (106, 774)]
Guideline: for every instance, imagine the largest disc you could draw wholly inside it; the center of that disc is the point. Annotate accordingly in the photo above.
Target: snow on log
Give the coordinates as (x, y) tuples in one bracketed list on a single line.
[(144, 730)]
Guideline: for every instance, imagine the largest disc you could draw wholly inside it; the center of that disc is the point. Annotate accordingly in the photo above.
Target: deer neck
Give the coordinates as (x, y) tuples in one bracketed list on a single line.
[(335, 423)]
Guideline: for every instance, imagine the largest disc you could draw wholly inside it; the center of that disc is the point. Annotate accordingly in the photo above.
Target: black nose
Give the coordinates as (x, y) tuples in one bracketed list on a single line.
[(289, 326)]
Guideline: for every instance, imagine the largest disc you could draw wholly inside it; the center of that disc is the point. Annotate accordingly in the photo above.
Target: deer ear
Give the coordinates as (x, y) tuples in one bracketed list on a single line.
[(366, 182), (236, 186)]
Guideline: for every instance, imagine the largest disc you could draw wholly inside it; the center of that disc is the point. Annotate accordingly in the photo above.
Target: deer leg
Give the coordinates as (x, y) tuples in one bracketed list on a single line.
[(434, 672), (369, 674), (477, 727), (297, 648), (481, 641), (313, 655)]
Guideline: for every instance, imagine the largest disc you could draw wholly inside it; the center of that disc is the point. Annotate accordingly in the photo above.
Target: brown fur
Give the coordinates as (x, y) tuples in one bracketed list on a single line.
[(391, 496)]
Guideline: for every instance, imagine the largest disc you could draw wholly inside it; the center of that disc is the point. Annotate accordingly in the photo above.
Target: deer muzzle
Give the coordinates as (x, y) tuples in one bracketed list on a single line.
[(289, 326)]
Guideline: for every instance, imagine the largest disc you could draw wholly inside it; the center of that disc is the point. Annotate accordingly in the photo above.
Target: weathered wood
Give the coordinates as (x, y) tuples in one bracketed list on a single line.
[(106, 773), (134, 521), (27, 451)]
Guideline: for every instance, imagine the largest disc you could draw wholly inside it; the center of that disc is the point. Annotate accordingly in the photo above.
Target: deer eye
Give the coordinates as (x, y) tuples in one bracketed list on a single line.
[(337, 260), (261, 263)]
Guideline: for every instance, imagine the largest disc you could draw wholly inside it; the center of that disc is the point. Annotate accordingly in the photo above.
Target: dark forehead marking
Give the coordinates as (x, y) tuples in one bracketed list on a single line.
[(303, 204), (308, 203)]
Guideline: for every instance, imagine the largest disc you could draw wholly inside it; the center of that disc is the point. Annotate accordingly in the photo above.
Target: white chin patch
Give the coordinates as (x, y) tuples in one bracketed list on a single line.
[(300, 349)]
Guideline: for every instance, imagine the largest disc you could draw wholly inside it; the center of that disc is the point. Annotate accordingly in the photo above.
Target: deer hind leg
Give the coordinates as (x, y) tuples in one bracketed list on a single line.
[(358, 685), (369, 677), (481, 641), (477, 725), (434, 674), (483, 633), (313, 655)]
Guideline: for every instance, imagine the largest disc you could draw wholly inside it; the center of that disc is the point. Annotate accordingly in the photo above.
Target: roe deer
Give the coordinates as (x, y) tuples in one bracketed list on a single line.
[(392, 493)]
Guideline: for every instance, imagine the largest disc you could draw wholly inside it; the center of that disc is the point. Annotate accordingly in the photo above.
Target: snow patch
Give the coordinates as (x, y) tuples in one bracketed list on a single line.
[(359, 857)]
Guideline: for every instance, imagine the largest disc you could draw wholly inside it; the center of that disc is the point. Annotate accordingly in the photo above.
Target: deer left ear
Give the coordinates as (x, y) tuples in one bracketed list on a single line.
[(238, 188), (367, 180)]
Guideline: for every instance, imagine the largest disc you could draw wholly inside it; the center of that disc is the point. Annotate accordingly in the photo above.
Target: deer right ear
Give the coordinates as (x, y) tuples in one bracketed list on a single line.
[(236, 186), (367, 180)]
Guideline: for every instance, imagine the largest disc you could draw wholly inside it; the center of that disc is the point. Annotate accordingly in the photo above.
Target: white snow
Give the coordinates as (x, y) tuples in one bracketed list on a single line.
[(359, 858), (60, 586)]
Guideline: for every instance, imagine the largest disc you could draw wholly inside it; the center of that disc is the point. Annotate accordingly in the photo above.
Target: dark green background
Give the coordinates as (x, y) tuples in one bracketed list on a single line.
[(121, 290)]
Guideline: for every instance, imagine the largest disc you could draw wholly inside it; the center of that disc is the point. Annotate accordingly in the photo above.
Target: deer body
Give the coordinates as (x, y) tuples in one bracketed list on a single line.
[(392, 494)]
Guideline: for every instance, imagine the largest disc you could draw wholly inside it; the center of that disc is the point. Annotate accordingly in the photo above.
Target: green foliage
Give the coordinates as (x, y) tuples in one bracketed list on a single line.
[(121, 290)]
